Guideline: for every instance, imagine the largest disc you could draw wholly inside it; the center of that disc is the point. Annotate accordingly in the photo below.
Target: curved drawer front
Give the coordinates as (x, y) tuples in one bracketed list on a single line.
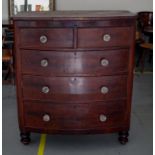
[(46, 38), (107, 62), (74, 116), (104, 37), (74, 89)]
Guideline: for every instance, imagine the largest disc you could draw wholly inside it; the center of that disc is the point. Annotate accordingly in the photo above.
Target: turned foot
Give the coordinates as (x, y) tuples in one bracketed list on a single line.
[(123, 137), (25, 138)]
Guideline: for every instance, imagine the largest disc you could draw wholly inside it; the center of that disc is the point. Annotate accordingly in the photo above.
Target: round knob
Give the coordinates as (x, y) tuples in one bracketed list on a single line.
[(45, 89), (104, 90), (104, 62), (106, 37), (43, 39), (46, 118), (103, 118), (44, 63)]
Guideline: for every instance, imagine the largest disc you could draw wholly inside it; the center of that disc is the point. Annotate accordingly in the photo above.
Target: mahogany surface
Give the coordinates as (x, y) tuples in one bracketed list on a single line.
[(56, 38), (74, 88), (86, 63), (74, 116), (93, 37), (88, 77)]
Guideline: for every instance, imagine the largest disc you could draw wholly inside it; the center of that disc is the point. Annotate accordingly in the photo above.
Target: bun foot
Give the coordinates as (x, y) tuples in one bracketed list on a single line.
[(123, 137), (25, 138)]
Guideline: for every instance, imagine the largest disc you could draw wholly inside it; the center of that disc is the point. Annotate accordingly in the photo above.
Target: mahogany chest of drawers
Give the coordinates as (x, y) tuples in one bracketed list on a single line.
[(74, 72)]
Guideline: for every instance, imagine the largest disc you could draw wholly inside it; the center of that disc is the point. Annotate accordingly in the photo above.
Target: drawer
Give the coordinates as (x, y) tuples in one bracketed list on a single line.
[(46, 38), (74, 89), (54, 116), (88, 63), (104, 37)]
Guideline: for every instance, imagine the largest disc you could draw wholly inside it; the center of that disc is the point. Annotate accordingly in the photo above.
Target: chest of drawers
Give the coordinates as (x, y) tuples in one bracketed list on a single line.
[(74, 72)]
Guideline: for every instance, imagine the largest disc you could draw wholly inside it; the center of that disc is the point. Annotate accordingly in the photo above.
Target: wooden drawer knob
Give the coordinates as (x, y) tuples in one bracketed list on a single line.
[(45, 89), (106, 37), (44, 63), (104, 62), (104, 90), (103, 118), (46, 118), (43, 39)]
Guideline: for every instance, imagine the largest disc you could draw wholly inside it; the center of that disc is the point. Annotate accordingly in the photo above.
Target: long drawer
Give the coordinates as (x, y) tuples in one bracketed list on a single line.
[(74, 89), (50, 63), (54, 116), (104, 37), (46, 38)]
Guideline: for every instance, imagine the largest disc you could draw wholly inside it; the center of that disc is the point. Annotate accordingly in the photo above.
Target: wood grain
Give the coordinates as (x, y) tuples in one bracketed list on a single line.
[(84, 63), (58, 38), (74, 74), (70, 89), (93, 37), (74, 116)]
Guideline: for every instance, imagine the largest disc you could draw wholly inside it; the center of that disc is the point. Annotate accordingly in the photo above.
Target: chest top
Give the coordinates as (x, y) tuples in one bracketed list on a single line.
[(73, 15)]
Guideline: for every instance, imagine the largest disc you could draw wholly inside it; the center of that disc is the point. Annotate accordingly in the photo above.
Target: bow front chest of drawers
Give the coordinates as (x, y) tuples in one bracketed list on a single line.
[(74, 72)]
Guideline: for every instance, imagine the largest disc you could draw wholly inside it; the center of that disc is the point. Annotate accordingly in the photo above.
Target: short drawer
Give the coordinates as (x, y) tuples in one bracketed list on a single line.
[(74, 89), (52, 116), (46, 38), (104, 37), (109, 62)]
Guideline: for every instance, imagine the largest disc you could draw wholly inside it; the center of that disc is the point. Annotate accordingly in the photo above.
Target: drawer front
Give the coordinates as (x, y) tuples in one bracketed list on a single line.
[(74, 89), (46, 38), (74, 116), (104, 37), (81, 63)]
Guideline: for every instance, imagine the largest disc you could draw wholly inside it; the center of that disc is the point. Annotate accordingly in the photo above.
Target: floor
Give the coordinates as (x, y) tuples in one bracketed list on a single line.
[(140, 140)]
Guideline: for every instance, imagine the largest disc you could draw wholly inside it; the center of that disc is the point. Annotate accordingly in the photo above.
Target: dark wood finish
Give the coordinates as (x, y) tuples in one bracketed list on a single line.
[(93, 37), (123, 137), (145, 40), (74, 74), (25, 138), (55, 38), (145, 19), (86, 63), (91, 23), (74, 116), (74, 15), (146, 49), (7, 57), (76, 89), (7, 24)]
